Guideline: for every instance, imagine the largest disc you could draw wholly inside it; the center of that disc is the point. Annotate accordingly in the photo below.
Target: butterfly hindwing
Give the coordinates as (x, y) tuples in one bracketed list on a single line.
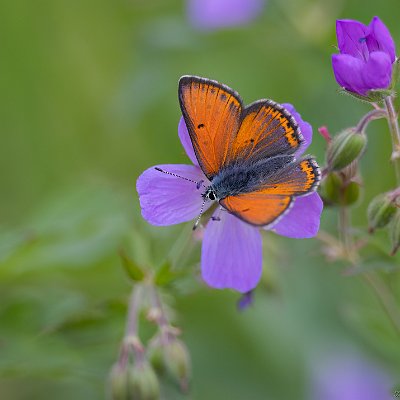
[(273, 197), (257, 208), (212, 114)]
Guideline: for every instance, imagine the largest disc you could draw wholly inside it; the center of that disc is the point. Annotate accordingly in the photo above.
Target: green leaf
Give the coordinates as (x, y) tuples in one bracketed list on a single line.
[(165, 275), (131, 268)]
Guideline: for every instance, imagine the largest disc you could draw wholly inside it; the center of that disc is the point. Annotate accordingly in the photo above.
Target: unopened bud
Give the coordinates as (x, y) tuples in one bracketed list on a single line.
[(330, 188), (394, 231), (351, 193), (345, 148), (143, 382), (177, 362), (155, 354), (119, 383), (380, 211), (335, 191)]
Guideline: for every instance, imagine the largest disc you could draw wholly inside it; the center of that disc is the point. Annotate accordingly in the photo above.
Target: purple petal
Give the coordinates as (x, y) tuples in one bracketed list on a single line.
[(377, 72), (380, 39), (302, 221), (348, 73), (305, 128), (214, 14), (351, 37), (231, 255), (186, 141), (168, 200)]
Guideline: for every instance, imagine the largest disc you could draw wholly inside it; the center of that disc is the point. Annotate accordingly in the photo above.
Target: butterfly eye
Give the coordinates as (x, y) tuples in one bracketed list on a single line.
[(211, 195)]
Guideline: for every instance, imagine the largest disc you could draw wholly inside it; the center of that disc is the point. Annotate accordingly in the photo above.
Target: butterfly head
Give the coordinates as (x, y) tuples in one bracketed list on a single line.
[(210, 194)]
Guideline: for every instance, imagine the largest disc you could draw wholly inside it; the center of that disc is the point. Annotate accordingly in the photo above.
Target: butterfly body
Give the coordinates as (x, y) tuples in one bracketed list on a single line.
[(247, 153), (244, 177)]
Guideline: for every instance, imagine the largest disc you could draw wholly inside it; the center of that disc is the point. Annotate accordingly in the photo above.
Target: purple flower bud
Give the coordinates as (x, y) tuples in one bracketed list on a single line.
[(366, 58)]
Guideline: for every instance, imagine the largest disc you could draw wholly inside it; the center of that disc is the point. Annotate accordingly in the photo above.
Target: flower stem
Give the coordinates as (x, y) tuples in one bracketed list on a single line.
[(395, 132), (167, 332), (367, 118), (344, 233), (385, 297), (131, 340)]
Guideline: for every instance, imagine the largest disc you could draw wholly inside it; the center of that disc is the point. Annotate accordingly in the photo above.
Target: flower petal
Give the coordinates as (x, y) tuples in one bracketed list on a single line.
[(351, 38), (377, 72), (214, 14), (186, 141), (380, 39), (302, 221), (348, 73), (305, 128), (231, 254), (168, 200)]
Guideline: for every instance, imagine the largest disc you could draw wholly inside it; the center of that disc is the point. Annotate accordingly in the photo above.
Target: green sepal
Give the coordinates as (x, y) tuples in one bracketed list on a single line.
[(345, 148), (133, 270), (380, 211)]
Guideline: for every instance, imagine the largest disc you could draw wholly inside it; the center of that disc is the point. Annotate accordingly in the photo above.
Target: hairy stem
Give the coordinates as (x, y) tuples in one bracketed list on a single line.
[(395, 132), (131, 340), (367, 118), (168, 333)]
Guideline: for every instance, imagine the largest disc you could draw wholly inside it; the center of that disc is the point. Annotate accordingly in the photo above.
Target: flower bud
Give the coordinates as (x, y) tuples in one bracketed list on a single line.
[(335, 191), (351, 193), (119, 383), (394, 231), (345, 147), (143, 382), (380, 211), (177, 362)]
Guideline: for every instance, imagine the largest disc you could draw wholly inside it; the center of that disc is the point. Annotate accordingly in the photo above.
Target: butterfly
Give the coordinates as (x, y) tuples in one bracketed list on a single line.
[(247, 153)]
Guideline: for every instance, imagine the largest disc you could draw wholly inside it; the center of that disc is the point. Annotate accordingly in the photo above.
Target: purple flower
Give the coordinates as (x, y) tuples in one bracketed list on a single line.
[(366, 58), (232, 249), (215, 14), (350, 378)]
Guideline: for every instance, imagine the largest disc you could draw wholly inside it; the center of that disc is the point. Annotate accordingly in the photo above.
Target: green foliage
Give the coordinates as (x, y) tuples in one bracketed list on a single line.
[(88, 101)]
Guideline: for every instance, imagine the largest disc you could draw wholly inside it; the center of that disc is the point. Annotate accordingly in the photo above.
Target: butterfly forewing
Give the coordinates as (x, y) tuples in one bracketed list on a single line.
[(266, 130), (212, 114)]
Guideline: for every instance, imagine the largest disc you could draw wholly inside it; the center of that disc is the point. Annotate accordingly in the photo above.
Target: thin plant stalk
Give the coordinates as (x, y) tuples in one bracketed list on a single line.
[(395, 133)]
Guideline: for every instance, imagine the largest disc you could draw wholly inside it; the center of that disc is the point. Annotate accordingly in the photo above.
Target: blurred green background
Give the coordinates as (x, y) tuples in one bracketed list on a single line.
[(88, 100)]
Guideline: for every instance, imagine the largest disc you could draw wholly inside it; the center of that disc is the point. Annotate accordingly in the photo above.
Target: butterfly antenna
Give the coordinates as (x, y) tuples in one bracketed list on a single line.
[(196, 224), (198, 183)]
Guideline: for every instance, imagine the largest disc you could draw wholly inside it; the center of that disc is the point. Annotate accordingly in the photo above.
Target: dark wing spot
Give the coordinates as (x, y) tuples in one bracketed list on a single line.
[(252, 140), (222, 96), (200, 126), (246, 209)]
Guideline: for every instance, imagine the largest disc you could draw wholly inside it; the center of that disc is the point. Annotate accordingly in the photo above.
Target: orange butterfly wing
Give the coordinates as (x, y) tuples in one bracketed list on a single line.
[(273, 198), (222, 132), (257, 208), (266, 130), (212, 114)]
